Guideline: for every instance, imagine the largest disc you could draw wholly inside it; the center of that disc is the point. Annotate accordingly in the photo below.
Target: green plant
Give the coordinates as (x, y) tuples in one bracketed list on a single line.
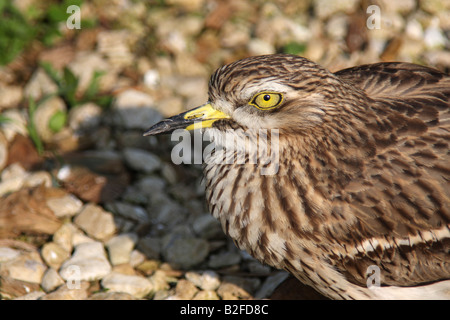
[(68, 82), (4, 119), (15, 32), (31, 127), (295, 48), (41, 21)]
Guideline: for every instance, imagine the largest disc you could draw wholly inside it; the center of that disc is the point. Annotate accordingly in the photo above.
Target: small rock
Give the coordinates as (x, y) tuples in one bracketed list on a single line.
[(260, 47), (38, 178), (190, 5), (124, 268), (7, 254), (325, 9), (10, 96), (239, 286), (115, 45), (40, 85), (141, 160), (170, 106), (54, 255), (184, 251), (206, 295), (255, 267), (150, 247), (45, 111), (51, 280), (63, 236), (88, 263), (223, 260), (120, 247), (111, 296), (185, 290), (165, 211), (207, 280), (35, 295), (66, 206), (27, 267), (137, 286), (207, 227), (148, 267), (16, 125), (434, 37), (96, 222), (84, 117), (14, 170), (159, 281), (128, 211), (65, 293), (85, 65), (12, 178), (136, 258), (149, 185), (151, 79), (3, 150), (133, 110), (231, 291), (270, 284)]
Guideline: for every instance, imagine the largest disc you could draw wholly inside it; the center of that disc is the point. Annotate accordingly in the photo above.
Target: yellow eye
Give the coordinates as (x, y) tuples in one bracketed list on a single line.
[(267, 100)]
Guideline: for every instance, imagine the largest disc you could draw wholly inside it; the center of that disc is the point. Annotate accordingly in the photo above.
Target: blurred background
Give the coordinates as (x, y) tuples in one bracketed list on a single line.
[(80, 81)]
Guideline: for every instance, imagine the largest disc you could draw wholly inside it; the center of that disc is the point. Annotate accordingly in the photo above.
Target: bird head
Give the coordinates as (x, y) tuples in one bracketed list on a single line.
[(277, 91)]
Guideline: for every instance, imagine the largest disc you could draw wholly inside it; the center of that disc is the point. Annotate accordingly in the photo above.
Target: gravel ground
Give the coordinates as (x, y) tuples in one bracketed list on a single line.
[(90, 209)]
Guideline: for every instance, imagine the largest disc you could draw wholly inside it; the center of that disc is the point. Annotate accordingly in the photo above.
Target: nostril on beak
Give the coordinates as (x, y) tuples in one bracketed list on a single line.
[(195, 116)]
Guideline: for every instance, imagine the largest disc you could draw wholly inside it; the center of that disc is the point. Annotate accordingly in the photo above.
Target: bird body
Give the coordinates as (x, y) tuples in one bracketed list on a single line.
[(362, 177)]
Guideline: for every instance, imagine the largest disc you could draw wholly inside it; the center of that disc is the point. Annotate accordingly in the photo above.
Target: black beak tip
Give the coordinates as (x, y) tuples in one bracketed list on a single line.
[(158, 128)]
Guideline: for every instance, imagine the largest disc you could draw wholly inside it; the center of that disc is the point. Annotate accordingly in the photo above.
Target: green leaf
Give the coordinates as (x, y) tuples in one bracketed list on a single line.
[(294, 48), (69, 88), (4, 119), (31, 127), (51, 72), (94, 85), (58, 121)]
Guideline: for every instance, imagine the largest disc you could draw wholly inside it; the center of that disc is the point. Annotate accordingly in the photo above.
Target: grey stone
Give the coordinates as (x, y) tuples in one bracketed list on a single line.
[(225, 259), (184, 251), (150, 246), (207, 227), (134, 110), (270, 284), (141, 160), (128, 211)]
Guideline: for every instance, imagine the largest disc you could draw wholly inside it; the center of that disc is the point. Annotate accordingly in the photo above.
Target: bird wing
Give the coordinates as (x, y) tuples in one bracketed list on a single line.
[(399, 202)]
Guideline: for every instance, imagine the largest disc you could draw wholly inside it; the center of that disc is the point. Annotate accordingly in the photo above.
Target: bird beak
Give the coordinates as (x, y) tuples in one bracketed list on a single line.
[(200, 117)]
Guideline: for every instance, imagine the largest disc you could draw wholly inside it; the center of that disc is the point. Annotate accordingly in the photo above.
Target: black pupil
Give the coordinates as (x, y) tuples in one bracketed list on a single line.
[(267, 97)]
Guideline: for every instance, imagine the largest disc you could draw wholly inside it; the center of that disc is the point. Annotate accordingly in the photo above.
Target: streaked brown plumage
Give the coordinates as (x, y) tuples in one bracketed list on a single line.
[(363, 177)]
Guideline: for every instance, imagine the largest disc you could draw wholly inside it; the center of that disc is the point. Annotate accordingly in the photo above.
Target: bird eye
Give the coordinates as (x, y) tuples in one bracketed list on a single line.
[(267, 100)]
